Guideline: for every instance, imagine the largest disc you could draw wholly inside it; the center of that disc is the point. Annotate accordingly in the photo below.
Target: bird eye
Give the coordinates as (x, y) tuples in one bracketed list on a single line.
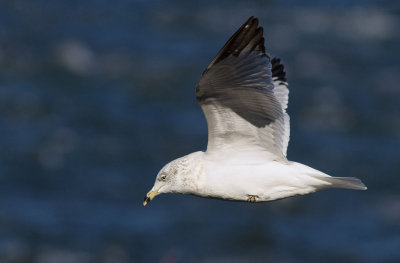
[(163, 178)]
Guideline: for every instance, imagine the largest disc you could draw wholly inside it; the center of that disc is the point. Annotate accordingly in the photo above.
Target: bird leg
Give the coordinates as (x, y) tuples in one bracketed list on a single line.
[(252, 198)]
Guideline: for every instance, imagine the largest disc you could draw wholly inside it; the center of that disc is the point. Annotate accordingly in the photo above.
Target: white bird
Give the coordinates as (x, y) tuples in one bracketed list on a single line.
[(244, 96)]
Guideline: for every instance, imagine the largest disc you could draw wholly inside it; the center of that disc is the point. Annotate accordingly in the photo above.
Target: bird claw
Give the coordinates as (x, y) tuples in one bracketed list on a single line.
[(252, 198)]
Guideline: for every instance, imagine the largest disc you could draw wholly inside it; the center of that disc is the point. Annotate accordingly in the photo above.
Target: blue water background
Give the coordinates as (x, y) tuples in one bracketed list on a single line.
[(96, 96)]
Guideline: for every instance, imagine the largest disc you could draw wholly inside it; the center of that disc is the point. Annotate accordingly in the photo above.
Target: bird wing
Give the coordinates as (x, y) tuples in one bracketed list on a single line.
[(281, 93), (244, 97)]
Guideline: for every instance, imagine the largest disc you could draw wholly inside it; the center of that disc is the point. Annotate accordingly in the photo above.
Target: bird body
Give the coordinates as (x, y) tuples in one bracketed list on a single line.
[(244, 95), (238, 177)]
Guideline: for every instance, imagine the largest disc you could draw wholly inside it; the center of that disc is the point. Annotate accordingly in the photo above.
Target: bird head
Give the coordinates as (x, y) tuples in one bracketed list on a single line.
[(177, 176)]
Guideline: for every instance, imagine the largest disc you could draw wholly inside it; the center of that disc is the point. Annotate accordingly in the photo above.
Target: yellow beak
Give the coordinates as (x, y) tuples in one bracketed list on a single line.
[(150, 195)]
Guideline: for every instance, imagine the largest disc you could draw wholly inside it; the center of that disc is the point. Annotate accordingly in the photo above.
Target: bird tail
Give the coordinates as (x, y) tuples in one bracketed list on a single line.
[(344, 182), (326, 181)]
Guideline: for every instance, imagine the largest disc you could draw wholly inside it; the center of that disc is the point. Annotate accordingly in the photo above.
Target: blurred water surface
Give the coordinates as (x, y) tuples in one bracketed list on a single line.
[(96, 96)]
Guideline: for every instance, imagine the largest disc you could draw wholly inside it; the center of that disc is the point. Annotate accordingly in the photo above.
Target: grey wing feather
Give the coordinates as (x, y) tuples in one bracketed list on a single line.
[(281, 92), (239, 98)]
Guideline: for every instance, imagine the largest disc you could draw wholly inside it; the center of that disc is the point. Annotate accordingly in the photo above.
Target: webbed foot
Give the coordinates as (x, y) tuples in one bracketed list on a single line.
[(252, 198)]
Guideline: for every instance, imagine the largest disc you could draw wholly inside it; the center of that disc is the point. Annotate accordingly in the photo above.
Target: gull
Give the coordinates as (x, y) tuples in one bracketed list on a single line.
[(244, 95)]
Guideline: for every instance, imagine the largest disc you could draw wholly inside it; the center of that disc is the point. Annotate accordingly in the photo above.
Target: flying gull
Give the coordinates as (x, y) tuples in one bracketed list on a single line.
[(244, 95)]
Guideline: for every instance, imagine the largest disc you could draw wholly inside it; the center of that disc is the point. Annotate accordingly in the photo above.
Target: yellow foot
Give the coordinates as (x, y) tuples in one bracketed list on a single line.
[(252, 198)]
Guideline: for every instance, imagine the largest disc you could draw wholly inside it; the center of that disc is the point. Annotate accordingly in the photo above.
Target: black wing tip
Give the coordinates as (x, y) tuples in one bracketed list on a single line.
[(278, 70), (251, 19), (249, 35)]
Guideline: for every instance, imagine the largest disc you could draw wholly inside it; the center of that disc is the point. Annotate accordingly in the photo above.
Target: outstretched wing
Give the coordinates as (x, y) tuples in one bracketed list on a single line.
[(243, 100)]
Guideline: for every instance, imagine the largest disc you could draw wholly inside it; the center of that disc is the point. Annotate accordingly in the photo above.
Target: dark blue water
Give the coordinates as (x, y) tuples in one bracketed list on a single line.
[(96, 96)]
